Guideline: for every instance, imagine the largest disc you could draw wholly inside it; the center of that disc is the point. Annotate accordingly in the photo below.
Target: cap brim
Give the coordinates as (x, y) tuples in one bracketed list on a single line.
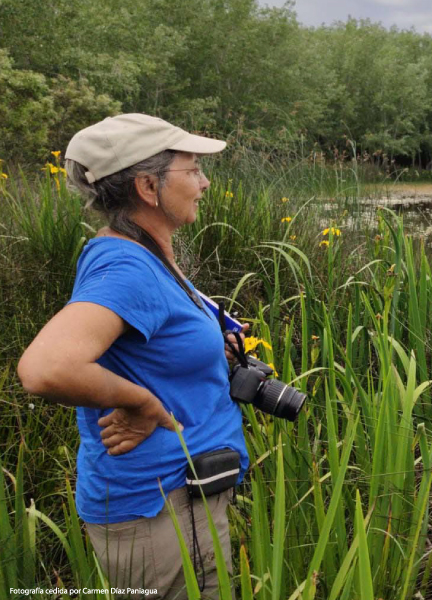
[(196, 144)]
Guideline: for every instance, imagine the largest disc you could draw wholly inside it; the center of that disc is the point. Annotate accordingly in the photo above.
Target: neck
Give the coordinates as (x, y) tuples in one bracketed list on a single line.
[(163, 241), (163, 238)]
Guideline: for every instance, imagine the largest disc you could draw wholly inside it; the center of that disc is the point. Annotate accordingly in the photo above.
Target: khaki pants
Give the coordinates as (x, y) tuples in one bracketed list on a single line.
[(145, 553)]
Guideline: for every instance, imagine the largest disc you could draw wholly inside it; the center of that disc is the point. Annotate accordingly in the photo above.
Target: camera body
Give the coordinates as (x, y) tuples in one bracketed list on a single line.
[(250, 384)]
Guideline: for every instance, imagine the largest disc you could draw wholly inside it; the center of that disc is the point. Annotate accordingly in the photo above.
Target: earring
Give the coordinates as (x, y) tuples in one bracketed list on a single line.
[(157, 203)]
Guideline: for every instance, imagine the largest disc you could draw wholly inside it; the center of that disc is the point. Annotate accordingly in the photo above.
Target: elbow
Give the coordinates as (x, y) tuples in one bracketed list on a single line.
[(34, 378), (32, 385), (31, 379)]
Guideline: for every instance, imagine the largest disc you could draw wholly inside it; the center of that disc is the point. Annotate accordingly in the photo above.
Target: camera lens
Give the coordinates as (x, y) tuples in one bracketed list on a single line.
[(281, 400)]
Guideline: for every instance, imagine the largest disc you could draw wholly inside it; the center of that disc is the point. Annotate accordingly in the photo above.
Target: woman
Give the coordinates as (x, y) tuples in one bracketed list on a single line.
[(131, 348)]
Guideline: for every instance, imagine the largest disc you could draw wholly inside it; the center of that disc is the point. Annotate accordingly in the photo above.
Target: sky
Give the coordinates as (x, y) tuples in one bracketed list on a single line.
[(402, 13)]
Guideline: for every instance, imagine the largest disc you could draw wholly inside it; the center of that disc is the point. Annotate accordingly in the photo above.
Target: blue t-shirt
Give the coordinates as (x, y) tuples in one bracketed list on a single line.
[(172, 349)]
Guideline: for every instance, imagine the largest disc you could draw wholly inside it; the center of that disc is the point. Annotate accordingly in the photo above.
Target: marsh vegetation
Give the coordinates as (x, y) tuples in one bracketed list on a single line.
[(335, 505), (302, 233)]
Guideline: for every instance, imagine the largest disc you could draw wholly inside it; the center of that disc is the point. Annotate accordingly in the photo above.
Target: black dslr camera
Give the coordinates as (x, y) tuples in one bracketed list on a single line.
[(249, 378), (249, 384)]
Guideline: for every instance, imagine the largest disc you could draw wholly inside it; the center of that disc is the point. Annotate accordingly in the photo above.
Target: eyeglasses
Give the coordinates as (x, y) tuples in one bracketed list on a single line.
[(197, 171)]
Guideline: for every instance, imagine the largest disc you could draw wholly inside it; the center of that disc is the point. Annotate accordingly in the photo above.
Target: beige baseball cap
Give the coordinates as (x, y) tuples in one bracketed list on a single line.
[(122, 141)]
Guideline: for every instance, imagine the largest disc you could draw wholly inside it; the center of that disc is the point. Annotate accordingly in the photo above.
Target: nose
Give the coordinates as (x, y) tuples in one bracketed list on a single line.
[(204, 182)]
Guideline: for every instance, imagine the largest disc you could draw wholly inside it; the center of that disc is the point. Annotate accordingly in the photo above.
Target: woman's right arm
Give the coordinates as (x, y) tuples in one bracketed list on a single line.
[(60, 366)]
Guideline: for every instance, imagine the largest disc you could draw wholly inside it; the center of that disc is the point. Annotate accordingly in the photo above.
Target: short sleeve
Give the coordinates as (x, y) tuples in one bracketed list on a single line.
[(125, 284)]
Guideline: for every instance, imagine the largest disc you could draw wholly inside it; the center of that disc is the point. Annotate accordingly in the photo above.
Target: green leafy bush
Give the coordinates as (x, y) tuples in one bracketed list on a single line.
[(38, 113), (26, 112)]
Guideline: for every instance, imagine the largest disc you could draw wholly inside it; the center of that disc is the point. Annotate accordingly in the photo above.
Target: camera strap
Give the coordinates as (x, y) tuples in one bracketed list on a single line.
[(145, 239), (212, 473), (239, 352)]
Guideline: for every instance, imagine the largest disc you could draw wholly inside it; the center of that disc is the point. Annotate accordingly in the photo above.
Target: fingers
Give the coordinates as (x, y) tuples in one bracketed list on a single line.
[(228, 350), (168, 423), (122, 448), (109, 431), (115, 440), (122, 432), (105, 421), (231, 337)]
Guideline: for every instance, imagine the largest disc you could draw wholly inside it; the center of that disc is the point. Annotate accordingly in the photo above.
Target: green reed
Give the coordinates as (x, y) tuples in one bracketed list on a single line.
[(336, 505), (22, 548), (347, 468)]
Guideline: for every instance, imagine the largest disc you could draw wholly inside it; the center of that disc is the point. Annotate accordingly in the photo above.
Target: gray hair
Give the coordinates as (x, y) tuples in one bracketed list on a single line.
[(115, 195)]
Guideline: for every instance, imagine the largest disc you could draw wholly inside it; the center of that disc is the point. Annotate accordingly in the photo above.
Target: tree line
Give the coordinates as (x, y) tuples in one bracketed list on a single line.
[(228, 67)]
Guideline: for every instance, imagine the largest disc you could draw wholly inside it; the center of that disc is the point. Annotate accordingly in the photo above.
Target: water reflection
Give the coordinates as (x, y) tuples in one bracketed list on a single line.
[(361, 213)]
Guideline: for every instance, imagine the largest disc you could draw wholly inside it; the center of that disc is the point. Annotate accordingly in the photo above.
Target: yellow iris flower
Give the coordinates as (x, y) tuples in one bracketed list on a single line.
[(334, 231), (251, 343)]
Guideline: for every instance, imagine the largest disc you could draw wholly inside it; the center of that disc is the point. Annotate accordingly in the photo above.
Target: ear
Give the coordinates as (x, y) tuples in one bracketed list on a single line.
[(146, 187)]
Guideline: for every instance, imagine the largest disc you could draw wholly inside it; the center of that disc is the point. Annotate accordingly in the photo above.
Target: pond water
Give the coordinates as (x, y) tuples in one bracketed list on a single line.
[(412, 202)]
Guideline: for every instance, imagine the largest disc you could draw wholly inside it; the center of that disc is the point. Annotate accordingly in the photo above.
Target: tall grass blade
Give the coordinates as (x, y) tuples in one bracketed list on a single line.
[(309, 592), (8, 562), (261, 544), (419, 523), (24, 555), (192, 588), (365, 574), (333, 454), (279, 526), (348, 564), (245, 576), (223, 575), (81, 565)]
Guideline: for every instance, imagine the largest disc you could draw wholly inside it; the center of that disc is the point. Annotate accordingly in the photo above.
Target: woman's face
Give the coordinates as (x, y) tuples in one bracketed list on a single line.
[(183, 189)]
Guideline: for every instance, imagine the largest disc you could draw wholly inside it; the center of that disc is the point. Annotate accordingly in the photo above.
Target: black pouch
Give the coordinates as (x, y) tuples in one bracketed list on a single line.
[(216, 471)]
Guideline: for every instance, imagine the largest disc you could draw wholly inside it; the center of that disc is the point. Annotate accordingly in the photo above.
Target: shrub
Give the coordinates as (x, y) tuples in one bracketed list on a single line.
[(26, 112)]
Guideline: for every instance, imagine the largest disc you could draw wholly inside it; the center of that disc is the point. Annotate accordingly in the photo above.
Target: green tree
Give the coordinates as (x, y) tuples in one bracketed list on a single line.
[(26, 112)]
